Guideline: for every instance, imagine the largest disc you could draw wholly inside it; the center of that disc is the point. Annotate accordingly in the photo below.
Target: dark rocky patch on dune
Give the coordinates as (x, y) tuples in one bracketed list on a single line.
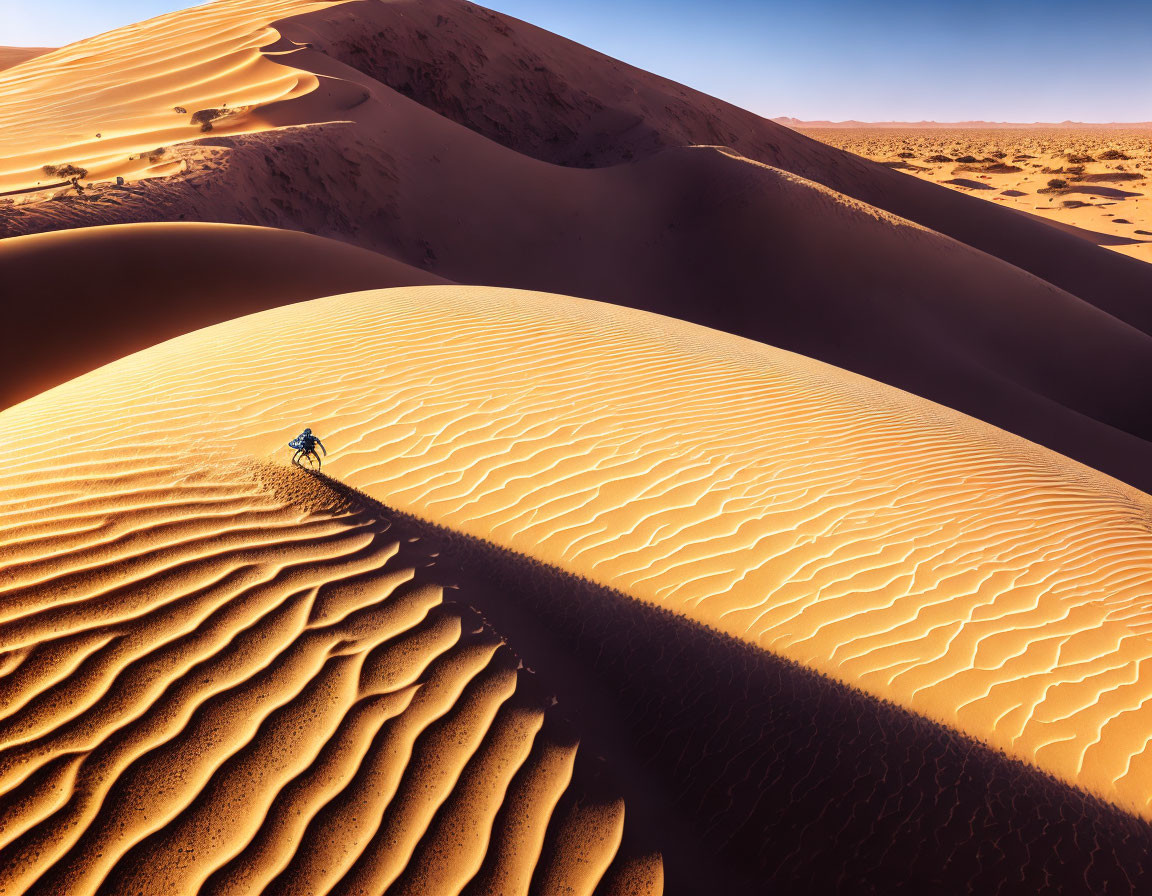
[(1109, 176)]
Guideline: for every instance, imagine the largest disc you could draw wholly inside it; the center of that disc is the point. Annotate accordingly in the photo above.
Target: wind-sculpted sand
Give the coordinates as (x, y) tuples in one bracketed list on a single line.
[(587, 599), (224, 677), (479, 149), (208, 688), (164, 81)]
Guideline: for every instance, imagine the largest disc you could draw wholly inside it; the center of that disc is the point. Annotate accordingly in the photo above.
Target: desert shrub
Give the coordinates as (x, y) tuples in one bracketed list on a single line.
[(205, 117), (68, 172)]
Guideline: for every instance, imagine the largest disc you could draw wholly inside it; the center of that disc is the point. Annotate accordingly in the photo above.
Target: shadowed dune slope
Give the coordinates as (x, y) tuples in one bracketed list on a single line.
[(10, 56), (240, 678), (559, 101), (784, 780), (894, 545), (701, 233), (533, 91), (84, 298)]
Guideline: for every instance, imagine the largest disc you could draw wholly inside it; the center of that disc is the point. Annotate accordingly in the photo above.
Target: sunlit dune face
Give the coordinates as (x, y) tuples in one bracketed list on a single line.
[(208, 687), (894, 545), (109, 104)]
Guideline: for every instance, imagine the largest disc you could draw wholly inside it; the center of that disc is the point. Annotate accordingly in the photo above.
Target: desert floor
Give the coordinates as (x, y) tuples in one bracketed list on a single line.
[(1106, 171)]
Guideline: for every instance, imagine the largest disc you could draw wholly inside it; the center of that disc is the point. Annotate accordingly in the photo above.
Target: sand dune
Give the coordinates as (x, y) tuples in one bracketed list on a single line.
[(10, 56), (558, 101), (204, 60), (901, 304), (211, 690), (176, 610), (747, 488), (121, 289), (588, 599)]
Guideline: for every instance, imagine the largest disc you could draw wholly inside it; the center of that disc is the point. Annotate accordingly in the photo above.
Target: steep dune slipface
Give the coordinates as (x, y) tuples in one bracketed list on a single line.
[(82, 298), (556, 100), (225, 677), (701, 233)]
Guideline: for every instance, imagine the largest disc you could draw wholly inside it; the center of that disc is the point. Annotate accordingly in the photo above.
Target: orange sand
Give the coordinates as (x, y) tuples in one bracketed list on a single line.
[(11, 56), (890, 543), (216, 56), (1106, 200)]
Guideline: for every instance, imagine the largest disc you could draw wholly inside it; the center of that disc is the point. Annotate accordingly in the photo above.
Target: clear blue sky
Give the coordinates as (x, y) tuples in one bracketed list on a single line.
[(1016, 60)]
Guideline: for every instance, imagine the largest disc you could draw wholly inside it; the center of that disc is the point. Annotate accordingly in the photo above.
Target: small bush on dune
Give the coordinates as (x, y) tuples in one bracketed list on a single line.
[(205, 117), (66, 171), (72, 173)]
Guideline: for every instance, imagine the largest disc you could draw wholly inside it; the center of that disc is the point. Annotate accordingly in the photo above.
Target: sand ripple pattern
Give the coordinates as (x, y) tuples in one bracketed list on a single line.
[(894, 545), (205, 688)]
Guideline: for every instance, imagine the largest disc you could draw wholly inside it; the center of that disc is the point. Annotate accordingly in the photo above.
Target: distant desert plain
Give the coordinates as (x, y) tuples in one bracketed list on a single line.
[(1093, 180), (703, 504)]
